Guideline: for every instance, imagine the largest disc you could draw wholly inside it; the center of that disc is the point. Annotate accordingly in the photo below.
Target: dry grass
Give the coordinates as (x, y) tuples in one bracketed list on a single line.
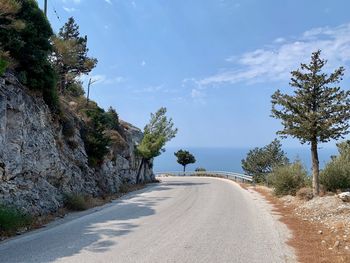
[(91, 202), (313, 242)]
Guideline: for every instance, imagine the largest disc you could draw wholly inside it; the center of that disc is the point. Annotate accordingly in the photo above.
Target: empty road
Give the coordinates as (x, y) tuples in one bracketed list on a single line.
[(183, 219)]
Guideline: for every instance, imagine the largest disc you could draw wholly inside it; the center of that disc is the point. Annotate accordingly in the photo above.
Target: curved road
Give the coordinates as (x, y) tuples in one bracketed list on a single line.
[(183, 219)]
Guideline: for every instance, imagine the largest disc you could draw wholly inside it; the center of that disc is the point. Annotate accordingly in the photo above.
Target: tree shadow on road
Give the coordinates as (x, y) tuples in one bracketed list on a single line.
[(93, 232)]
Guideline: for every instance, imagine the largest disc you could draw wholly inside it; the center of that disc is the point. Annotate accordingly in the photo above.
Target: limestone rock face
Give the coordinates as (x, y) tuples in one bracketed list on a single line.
[(38, 166)]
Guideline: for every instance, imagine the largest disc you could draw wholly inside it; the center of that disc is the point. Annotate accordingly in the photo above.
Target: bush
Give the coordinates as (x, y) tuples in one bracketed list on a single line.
[(260, 162), (111, 119), (288, 179), (336, 174), (75, 202), (75, 89), (200, 169), (12, 219), (305, 193), (3, 66), (68, 128), (30, 48), (96, 141)]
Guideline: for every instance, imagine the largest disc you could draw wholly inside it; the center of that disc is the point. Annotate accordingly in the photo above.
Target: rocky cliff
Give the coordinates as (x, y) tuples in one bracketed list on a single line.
[(38, 166)]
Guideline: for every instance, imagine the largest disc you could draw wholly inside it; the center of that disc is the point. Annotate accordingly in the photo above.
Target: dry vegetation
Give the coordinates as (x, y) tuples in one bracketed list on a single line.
[(320, 226)]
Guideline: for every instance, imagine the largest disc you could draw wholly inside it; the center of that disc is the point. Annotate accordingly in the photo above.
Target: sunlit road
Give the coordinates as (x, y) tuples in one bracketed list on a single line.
[(183, 219)]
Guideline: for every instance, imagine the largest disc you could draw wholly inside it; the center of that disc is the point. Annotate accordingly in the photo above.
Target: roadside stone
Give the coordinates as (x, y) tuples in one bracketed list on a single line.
[(345, 196), (320, 232), (336, 244)]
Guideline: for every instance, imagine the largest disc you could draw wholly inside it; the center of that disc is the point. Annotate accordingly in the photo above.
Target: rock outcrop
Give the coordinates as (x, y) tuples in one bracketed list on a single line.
[(38, 166)]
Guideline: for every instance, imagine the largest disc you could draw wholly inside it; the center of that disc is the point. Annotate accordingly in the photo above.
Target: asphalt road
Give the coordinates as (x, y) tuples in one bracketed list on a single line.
[(183, 219)]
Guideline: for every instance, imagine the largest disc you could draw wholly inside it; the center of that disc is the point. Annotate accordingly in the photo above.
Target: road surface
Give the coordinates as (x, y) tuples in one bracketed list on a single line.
[(183, 219)]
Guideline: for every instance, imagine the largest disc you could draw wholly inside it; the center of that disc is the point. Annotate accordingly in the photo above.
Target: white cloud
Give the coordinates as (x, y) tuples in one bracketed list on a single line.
[(198, 96), (274, 62), (69, 9), (72, 1), (108, 2), (102, 79)]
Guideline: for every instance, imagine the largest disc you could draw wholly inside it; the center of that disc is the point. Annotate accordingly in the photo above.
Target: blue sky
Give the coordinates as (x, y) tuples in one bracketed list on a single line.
[(213, 63)]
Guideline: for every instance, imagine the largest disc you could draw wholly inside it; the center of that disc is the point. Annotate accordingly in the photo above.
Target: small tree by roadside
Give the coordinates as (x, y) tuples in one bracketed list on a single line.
[(156, 134), (261, 161), (317, 112), (184, 158)]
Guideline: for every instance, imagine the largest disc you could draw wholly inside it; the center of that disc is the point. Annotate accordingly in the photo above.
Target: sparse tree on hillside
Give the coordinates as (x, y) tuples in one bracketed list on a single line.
[(8, 20), (30, 48), (70, 55), (157, 133), (317, 111), (261, 161), (8, 11), (184, 158)]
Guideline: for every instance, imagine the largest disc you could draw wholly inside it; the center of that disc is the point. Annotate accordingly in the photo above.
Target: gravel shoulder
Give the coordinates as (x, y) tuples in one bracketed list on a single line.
[(320, 226)]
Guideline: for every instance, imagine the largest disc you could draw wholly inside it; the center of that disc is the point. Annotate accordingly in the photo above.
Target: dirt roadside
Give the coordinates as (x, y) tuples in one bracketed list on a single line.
[(320, 227)]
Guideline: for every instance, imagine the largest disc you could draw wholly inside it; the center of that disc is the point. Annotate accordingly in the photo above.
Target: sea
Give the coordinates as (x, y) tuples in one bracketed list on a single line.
[(229, 159)]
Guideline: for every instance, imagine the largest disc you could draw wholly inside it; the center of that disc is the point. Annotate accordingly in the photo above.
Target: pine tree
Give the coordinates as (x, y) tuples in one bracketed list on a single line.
[(184, 158), (317, 111), (157, 133), (70, 55), (260, 162)]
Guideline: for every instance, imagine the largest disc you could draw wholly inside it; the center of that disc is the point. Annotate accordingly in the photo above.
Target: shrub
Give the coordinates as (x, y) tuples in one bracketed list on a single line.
[(3, 66), (200, 169), (72, 144), (75, 202), (111, 119), (288, 179), (336, 174), (124, 188), (12, 219), (75, 89), (30, 47), (96, 141), (305, 193), (68, 128), (260, 162)]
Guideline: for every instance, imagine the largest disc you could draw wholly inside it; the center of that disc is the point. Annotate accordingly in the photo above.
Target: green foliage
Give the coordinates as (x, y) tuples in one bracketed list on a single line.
[(70, 56), (8, 11), (111, 119), (317, 111), (30, 48), (336, 174), (68, 128), (3, 66), (261, 161), (157, 133), (95, 140), (288, 179), (12, 219), (184, 158), (75, 89), (75, 202), (200, 169)]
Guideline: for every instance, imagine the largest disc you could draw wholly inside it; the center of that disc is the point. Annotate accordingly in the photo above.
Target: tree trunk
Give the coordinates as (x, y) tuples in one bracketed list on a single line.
[(145, 169), (315, 169), (139, 171), (184, 170)]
